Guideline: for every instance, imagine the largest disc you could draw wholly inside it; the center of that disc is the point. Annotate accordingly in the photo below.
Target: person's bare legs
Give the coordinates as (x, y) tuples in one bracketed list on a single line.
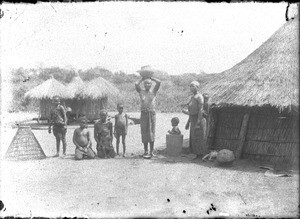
[(64, 142), (151, 148), (123, 143), (57, 145), (146, 148), (118, 144)]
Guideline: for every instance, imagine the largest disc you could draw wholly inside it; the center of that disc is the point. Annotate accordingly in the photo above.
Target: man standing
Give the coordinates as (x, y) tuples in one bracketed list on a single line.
[(148, 118), (58, 120)]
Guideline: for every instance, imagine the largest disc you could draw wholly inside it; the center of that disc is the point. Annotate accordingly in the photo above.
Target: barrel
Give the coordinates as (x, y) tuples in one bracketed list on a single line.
[(174, 145)]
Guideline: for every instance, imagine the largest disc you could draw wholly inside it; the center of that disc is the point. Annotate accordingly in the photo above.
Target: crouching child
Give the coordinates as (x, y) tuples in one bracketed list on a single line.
[(103, 132), (82, 141)]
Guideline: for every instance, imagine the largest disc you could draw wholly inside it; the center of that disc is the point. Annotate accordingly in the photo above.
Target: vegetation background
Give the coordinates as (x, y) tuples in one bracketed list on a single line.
[(173, 92)]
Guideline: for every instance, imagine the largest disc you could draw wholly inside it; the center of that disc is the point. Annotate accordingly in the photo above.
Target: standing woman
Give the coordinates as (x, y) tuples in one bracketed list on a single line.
[(197, 123), (148, 117)]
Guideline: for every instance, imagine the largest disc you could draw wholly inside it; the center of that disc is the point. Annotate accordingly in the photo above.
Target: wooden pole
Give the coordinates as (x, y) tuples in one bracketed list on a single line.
[(242, 135), (212, 130)]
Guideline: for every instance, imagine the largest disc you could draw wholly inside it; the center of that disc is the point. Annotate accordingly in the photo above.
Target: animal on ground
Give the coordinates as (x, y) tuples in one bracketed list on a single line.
[(210, 156)]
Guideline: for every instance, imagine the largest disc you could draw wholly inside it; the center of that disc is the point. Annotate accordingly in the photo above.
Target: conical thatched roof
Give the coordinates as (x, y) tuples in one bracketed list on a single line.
[(98, 88), (48, 89), (75, 86), (268, 76)]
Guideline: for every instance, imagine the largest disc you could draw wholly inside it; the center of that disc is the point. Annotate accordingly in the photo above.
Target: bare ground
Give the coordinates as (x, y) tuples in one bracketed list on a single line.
[(132, 186)]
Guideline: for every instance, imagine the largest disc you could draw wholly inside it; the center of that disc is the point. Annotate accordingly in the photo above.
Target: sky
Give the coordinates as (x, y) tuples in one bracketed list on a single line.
[(176, 37)]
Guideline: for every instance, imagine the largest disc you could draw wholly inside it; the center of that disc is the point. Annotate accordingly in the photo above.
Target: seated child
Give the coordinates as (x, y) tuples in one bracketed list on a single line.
[(82, 141), (103, 129), (175, 130)]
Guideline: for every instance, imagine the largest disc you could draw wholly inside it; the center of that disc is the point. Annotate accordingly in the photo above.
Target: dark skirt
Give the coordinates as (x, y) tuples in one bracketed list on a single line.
[(108, 151), (148, 121), (59, 131), (197, 136)]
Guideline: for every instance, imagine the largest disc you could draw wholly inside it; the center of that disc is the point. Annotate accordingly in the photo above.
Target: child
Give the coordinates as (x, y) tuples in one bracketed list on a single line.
[(102, 129), (175, 130), (121, 127), (58, 120), (82, 141)]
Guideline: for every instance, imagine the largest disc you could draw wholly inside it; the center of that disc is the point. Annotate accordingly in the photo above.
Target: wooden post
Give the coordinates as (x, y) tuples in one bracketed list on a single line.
[(212, 130), (242, 135)]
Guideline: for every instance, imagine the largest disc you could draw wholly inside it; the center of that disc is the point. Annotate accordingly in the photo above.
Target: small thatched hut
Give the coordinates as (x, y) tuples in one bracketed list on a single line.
[(74, 102), (256, 102), (45, 92), (94, 95)]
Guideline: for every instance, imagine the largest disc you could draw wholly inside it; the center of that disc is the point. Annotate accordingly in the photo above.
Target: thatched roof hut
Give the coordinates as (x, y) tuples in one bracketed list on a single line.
[(45, 92), (75, 86), (74, 102), (269, 75), (93, 96), (256, 101), (98, 88)]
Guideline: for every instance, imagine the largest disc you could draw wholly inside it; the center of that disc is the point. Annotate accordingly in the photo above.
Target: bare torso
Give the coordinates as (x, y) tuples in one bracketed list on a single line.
[(82, 137)]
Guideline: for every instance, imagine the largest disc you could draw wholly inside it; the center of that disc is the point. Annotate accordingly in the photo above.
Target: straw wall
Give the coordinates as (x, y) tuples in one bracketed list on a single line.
[(271, 136), (91, 107), (45, 108)]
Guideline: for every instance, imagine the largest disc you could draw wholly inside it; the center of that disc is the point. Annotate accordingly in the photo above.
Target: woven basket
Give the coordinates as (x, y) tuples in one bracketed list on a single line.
[(146, 74)]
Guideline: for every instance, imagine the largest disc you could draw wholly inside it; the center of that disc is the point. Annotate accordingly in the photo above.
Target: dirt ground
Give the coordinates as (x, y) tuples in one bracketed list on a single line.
[(133, 187)]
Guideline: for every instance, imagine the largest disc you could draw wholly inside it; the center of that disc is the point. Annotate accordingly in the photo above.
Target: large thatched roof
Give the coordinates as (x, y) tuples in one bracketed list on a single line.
[(48, 89), (75, 86), (268, 76), (97, 89)]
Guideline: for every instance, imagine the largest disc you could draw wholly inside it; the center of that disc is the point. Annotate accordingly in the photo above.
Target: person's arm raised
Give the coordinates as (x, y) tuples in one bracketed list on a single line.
[(157, 85), (138, 85)]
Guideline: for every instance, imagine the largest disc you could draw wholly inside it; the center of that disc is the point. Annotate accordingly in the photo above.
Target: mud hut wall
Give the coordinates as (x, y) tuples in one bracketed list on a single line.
[(271, 135)]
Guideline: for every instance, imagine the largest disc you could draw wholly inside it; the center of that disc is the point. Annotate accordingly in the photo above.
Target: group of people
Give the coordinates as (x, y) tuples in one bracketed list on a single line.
[(103, 133), (104, 130)]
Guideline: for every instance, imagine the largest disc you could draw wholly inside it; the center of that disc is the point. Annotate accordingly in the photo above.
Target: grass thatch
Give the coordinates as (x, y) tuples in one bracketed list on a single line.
[(268, 76), (97, 89), (48, 89), (75, 86)]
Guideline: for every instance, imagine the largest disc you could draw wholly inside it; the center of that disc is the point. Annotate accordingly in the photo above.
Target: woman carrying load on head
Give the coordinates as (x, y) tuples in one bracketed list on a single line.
[(197, 123), (147, 98)]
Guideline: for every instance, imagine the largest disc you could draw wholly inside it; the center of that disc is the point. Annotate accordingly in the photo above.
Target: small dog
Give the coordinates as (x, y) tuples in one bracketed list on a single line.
[(210, 156)]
